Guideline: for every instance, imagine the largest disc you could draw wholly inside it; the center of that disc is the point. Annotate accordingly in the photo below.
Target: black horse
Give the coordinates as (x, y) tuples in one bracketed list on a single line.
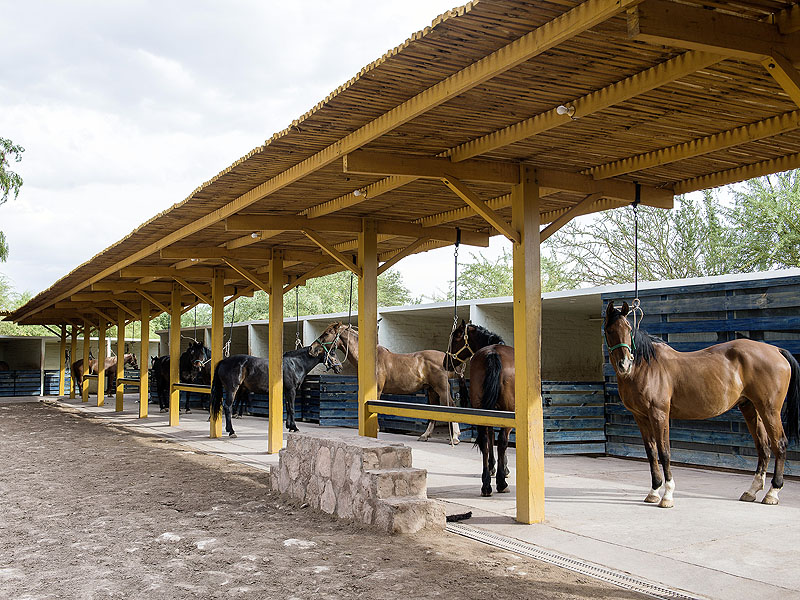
[(241, 373), (194, 367)]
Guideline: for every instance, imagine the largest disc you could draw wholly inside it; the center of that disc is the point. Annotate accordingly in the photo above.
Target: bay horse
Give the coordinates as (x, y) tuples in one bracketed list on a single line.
[(657, 383), (395, 373), (110, 369), (194, 366), (491, 375), (242, 373)]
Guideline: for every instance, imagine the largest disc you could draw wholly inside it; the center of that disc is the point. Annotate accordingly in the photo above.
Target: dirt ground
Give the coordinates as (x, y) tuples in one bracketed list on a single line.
[(93, 511)]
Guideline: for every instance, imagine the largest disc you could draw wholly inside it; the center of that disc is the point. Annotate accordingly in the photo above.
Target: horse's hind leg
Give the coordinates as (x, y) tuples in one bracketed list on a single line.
[(778, 442), (756, 427), (485, 443), (502, 460), (652, 457)]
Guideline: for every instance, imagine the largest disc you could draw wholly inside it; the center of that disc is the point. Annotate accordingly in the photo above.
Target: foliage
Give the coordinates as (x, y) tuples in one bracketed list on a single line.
[(691, 240), (766, 219), (11, 300), (482, 277), (10, 182)]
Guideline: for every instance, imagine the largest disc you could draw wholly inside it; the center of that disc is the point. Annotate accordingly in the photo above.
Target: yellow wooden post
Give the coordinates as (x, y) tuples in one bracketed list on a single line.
[(144, 360), (275, 442), (217, 332), (62, 358), (73, 350), (120, 359), (367, 327), (174, 354), (101, 362), (527, 349), (86, 340)]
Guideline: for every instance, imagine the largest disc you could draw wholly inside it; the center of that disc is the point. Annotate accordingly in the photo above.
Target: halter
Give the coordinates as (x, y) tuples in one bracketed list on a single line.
[(330, 347), (631, 348), (454, 355)]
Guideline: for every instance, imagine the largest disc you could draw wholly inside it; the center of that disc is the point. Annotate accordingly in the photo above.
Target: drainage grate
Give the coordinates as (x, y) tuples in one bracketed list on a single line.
[(617, 578)]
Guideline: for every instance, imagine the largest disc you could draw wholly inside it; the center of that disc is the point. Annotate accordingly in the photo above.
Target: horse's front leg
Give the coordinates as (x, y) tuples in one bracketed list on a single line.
[(485, 444), (288, 404), (502, 460), (652, 457), (659, 422)]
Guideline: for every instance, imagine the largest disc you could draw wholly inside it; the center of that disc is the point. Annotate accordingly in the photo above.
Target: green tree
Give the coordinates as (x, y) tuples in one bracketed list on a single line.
[(692, 240), (766, 222), (483, 277), (10, 300), (10, 182)]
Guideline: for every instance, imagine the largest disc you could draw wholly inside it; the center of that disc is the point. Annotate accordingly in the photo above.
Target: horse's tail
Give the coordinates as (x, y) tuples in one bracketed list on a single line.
[(793, 398), (491, 381), (216, 394)]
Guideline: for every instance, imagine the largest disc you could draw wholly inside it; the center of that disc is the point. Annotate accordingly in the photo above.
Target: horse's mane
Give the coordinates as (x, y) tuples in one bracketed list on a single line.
[(297, 352), (643, 342), (491, 337)]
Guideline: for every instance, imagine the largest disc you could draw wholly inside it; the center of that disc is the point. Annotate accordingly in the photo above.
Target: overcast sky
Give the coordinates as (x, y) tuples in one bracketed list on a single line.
[(124, 108)]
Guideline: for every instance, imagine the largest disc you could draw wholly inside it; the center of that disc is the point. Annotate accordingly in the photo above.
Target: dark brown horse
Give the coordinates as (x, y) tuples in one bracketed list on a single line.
[(657, 383), (491, 375), (110, 371), (396, 373)]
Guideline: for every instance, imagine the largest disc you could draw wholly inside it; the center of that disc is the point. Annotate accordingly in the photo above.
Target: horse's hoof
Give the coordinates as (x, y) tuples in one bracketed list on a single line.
[(233, 435), (747, 497), (666, 503), (486, 493), (188, 412), (770, 500), (422, 438), (652, 498), (455, 441), (503, 491)]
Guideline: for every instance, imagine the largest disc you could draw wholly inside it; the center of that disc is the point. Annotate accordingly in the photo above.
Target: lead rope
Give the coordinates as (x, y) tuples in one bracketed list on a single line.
[(636, 310), (298, 341), (226, 350)]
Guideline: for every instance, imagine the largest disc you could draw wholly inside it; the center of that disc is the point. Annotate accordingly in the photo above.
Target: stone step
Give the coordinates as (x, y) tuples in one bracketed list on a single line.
[(388, 483), (409, 514)]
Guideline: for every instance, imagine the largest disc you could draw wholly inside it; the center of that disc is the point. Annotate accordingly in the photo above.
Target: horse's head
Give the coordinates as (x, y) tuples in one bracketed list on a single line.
[(197, 354), (619, 338), (130, 359), (458, 349), (331, 362), (329, 340)]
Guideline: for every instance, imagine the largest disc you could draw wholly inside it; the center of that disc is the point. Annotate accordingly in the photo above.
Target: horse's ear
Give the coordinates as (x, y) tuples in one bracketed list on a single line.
[(610, 309), (625, 309)]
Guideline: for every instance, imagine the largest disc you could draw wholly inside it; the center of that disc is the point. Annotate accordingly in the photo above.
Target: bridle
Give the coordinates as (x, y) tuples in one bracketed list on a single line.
[(631, 348), (330, 362), (330, 347)]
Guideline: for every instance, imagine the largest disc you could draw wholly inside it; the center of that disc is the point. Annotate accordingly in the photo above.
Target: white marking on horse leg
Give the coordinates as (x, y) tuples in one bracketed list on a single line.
[(772, 496), (653, 497), (456, 434), (758, 484), (424, 437), (666, 500)]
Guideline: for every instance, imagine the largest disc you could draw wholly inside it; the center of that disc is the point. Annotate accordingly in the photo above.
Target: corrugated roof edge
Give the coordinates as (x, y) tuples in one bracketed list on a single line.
[(453, 12)]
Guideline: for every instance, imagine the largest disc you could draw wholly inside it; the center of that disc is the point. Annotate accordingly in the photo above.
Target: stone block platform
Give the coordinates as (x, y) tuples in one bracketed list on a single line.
[(358, 479)]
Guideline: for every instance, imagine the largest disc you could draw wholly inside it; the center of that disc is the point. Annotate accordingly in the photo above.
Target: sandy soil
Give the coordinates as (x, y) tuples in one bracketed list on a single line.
[(94, 511)]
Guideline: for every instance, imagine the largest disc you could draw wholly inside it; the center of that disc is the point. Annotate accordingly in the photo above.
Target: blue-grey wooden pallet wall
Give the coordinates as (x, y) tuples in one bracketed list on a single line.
[(690, 318)]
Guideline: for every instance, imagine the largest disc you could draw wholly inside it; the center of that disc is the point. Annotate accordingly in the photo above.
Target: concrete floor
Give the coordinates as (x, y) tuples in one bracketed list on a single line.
[(710, 544)]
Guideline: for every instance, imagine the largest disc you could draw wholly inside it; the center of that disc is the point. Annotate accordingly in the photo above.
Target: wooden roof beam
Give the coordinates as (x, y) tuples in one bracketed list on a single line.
[(218, 253), (120, 305), (695, 28), (401, 254), (759, 169), (788, 20), (718, 141), (315, 237), (253, 238), (480, 207), (130, 286), (353, 225), (153, 301), (194, 289), (251, 277)]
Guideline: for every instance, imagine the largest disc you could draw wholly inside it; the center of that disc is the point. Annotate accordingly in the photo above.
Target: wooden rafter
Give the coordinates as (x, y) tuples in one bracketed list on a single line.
[(788, 20), (103, 315), (759, 169), (480, 207), (246, 240), (580, 208), (194, 289), (317, 271), (153, 301), (784, 73), (401, 254), (121, 306), (248, 275), (320, 241), (719, 141), (244, 292)]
